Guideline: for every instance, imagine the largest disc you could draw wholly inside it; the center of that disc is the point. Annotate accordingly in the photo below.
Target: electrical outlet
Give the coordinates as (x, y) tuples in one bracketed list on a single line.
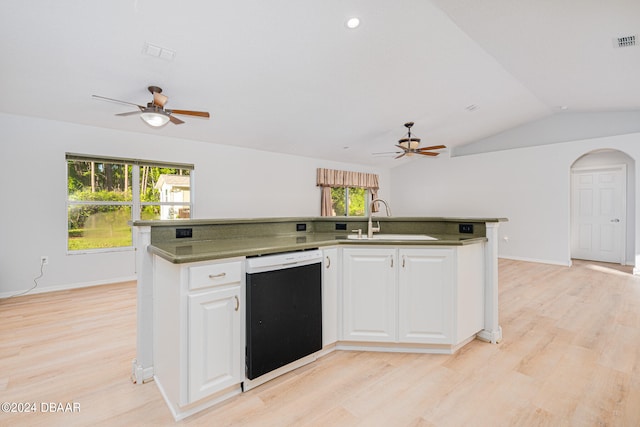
[(182, 233), (44, 260), (465, 228)]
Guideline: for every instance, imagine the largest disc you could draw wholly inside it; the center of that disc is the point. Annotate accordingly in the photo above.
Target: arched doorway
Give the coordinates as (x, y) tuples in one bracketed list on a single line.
[(603, 207)]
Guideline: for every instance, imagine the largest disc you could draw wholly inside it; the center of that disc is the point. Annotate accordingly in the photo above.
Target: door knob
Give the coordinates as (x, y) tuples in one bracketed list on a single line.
[(615, 220)]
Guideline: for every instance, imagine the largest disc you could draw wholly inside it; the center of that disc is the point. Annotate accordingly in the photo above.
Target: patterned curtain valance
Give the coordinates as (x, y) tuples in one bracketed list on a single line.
[(337, 178)]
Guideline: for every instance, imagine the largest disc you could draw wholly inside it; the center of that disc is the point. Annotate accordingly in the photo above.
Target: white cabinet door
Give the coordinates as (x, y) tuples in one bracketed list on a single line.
[(215, 346), (426, 289), (369, 294), (330, 296)]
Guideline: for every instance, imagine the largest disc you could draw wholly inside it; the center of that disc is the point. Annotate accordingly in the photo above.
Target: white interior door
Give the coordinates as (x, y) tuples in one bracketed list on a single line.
[(598, 206)]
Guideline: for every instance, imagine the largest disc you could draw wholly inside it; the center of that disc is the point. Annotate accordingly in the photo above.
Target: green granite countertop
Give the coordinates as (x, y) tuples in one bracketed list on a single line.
[(179, 252), (210, 239), (320, 219)]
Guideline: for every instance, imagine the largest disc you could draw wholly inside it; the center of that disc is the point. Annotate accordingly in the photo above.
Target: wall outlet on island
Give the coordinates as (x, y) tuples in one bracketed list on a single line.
[(44, 260), (184, 233), (465, 228)]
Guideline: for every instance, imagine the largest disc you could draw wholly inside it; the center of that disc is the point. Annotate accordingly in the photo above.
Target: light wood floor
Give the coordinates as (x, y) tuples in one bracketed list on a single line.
[(570, 357)]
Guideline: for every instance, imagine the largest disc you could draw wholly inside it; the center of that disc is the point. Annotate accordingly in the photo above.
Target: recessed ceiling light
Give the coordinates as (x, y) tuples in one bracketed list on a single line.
[(353, 23)]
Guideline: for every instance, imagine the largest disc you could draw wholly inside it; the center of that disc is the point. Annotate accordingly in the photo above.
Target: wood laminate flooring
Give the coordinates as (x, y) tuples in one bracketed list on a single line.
[(570, 356)]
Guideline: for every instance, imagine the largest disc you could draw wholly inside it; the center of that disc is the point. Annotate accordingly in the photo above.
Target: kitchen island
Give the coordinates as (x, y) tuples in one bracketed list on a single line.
[(387, 294)]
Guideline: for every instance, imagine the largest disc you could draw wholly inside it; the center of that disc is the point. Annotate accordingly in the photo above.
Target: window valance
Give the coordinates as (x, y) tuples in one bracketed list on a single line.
[(338, 178)]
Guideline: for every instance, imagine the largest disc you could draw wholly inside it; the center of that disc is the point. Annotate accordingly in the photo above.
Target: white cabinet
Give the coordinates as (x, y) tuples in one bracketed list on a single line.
[(215, 352), (369, 294), (425, 294), (330, 283), (198, 332), (412, 295)]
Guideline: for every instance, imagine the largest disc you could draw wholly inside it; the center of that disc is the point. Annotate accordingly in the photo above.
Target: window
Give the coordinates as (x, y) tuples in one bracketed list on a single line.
[(104, 194), (349, 201), (346, 193)]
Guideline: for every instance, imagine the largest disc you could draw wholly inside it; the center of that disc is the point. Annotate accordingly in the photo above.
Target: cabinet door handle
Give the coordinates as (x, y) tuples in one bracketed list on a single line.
[(391, 261), (328, 262), (215, 276), (237, 302), (403, 261)]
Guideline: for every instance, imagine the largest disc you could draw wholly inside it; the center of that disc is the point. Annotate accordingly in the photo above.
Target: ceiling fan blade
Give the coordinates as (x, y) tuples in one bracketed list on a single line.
[(427, 153), (130, 113), (189, 113), (402, 148), (401, 155), (118, 101), (175, 120), (433, 147), (384, 153)]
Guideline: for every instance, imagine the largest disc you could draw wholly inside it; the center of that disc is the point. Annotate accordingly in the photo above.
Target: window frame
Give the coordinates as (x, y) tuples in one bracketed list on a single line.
[(367, 204), (136, 204)]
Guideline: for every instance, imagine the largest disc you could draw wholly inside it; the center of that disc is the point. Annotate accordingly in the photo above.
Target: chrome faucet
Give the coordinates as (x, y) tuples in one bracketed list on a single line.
[(371, 229)]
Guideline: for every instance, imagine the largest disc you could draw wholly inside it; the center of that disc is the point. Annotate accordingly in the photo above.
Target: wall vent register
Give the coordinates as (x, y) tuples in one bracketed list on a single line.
[(625, 41)]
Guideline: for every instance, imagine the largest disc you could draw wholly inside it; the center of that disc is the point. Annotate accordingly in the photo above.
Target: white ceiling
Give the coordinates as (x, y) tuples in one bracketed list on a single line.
[(288, 76)]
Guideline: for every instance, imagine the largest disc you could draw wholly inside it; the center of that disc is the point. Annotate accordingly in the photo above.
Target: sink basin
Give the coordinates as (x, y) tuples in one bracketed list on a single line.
[(392, 237)]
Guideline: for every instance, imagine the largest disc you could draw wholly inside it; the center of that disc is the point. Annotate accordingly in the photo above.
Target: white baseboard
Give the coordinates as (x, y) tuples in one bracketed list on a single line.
[(140, 374), (68, 286), (636, 271), (540, 261)]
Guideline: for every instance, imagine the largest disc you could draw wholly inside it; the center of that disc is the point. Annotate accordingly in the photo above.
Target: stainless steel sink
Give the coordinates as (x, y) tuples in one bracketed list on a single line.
[(392, 237)]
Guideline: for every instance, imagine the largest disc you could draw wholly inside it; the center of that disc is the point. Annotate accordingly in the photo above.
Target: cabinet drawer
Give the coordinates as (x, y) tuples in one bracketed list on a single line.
[(205, 276)]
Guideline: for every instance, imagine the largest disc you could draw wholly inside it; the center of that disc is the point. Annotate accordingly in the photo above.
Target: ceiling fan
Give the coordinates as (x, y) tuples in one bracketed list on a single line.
[(154, 114), (409, 146)]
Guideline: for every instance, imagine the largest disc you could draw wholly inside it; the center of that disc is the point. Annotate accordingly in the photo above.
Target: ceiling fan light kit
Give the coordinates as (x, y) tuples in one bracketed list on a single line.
[(154, 118), (409, 143), (154, 114)]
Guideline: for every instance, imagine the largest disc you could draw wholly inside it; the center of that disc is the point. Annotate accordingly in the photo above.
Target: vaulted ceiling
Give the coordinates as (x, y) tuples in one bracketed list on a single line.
[(289, 76)]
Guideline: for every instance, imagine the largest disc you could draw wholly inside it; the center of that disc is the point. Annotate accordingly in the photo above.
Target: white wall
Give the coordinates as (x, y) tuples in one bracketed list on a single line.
[(229, 182), (529, 186)]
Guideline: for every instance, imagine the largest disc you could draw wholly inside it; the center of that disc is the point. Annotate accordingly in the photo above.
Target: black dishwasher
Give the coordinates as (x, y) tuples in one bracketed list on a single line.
[(284, 310)]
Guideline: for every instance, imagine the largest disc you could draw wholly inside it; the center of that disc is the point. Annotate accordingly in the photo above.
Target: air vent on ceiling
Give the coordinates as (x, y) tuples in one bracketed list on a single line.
[(158, 51), (625, 41)]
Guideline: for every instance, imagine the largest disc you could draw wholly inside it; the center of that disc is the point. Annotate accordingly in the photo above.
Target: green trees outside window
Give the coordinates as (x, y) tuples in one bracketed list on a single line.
[(349, 201), (103, 196)]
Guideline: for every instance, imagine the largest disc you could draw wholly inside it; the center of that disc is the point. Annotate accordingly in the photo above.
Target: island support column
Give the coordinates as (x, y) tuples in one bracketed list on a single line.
[(142, 366), (492, 331)]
